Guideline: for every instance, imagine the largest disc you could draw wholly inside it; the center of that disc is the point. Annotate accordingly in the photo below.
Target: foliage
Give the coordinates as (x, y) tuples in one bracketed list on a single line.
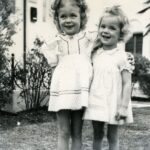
[(144, 81), (7, 30), (141, 73), (5, 85), (147, 7), (34, 82), (142, 66)]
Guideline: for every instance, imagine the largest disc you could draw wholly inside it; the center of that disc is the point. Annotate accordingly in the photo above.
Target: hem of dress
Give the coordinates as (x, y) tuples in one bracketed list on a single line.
[(121, 122), (101, 118), (73, 109)]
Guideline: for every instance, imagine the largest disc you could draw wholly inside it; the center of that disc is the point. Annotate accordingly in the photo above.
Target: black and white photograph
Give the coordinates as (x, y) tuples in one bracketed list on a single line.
[(74, 75)]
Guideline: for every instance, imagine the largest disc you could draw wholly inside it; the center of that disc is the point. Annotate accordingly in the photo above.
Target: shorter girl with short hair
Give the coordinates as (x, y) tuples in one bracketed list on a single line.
[(110, 93)]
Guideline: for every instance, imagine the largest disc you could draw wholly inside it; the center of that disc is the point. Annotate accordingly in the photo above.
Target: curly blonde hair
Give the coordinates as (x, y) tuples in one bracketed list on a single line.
[(83, 10), (125, 33), (116, 11)]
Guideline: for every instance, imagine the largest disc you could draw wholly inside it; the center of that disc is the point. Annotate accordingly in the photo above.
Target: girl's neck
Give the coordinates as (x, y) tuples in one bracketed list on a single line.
[(74, 36), (70, 35), (111, 47)]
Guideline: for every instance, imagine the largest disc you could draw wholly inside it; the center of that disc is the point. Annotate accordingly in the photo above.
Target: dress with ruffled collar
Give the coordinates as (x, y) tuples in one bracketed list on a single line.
[(73, 73)]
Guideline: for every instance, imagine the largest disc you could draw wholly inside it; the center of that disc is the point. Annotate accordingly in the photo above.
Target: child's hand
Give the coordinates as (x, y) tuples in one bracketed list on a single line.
[(121, 114)]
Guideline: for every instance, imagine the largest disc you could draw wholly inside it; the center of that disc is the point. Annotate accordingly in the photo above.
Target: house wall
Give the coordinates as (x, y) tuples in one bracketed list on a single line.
[(146, 46), (136, 27), (17, 47), (42, 28)]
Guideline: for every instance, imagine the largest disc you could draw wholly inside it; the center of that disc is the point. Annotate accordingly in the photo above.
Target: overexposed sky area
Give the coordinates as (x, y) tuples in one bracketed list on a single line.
[(130, 7)]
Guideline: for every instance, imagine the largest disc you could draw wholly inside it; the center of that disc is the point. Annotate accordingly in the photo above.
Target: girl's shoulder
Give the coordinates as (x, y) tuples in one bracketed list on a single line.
[(96, 53), (52, 41), (124, 62), (121, 49), (120, 56), (50, 44), (121, 53)]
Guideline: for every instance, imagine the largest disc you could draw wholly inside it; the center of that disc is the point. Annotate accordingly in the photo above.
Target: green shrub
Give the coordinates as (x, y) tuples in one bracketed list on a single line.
[(144, 82), (6, 86), (7, 30), (142, 66), (35, 81), (141, 73)]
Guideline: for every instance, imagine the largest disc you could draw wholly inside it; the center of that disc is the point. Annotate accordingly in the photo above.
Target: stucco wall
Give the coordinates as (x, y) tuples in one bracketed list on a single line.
[(46, 29)]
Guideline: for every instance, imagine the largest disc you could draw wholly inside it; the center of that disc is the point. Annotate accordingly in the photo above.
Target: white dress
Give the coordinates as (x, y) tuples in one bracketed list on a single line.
[(106, 87), (73, 74)]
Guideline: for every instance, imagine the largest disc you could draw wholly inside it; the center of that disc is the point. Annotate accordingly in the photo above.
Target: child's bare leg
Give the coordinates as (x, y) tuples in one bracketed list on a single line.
[(63, 118), (112, 135), (98, 129), (76, 129)]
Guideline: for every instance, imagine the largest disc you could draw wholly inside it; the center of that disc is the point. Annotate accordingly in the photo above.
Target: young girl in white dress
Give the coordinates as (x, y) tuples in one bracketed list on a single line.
[(70, 52), (109, 100)]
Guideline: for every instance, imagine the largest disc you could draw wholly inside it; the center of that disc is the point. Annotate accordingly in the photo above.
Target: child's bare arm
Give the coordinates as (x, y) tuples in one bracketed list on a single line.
[(126, 95), (126, 89)]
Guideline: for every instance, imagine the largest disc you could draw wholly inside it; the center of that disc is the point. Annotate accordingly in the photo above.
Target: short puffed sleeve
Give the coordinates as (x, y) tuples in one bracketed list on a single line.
[(125, 63), (51, 52)]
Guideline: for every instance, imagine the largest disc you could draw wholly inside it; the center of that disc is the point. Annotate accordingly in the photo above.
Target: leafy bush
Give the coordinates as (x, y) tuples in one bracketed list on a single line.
[(5, 85), (141, 73), (7, 30), (34, 82), (144, 81)]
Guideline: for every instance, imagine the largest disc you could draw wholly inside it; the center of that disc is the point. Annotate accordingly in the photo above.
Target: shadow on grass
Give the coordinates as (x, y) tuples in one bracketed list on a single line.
[(34, 116)]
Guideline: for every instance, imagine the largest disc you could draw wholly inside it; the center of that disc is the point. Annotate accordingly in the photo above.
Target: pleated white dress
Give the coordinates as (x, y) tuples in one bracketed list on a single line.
[(106, 88), (73, 74)]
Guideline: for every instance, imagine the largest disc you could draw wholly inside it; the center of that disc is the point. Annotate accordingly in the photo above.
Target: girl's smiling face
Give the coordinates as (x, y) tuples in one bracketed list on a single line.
[(109, 31), (69, 19)]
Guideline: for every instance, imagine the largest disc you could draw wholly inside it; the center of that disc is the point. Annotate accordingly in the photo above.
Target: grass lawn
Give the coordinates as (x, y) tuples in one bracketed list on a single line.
[(36, 130)]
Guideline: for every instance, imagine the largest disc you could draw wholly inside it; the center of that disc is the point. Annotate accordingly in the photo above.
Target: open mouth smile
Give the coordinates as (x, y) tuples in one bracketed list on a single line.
[(69, 27), (106, 37)]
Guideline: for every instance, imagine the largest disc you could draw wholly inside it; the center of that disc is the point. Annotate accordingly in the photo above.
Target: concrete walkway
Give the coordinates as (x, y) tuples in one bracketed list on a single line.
[(137, 104)]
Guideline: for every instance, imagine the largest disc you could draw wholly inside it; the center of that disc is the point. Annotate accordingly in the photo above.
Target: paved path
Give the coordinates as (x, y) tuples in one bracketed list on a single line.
[(138, 104)]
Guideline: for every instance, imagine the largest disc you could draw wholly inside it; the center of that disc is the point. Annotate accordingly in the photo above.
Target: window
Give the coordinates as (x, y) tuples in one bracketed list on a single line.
[(135, 44), (33, 14)]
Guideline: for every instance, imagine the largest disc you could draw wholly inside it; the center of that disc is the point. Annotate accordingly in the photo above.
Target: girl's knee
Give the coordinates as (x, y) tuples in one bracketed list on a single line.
[(76, 136), (98, 129), (76, 133), (64, 133), (112, 133), (63, 118), (99, 135), (76, 124), (112, 138)]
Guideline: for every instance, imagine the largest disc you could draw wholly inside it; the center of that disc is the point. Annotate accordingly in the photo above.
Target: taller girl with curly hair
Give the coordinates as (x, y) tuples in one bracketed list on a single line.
[(73, 73)]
